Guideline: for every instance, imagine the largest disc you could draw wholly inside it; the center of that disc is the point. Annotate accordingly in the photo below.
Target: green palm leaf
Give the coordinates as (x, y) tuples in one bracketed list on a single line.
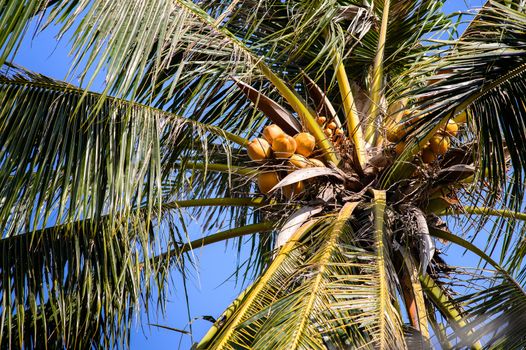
[(93, 178)]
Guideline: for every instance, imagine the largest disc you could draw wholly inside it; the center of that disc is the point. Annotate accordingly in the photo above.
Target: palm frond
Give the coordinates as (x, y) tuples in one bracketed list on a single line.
[(485, 73), (53, 280), (257, 297), (314, 295), (493, 304), (389, 334), (72, 163), (86, 193)]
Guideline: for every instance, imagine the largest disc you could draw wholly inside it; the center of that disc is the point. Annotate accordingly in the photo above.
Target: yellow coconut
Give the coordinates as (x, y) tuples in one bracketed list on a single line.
[(271, 132), (332, 125), (452, 128), (439, 144), (328, 132), (399, 147), (294, 190), (299, 161), (321, 120), (259, 149), (396, 133), (428, 156), (316, 162), (284, 146), (267, 180), (461, 118), (339, 131), (305, 143)]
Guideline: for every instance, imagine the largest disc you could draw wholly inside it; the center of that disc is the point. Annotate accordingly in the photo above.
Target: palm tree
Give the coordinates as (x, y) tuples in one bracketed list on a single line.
[(386, 136)]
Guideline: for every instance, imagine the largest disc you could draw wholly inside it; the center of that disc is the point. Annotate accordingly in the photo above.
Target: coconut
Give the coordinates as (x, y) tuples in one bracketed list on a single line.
[(321, 120), (271, 132), (461, 118), (293, 190), (259, 149), (428, 156), (284, 146), (396, 133), (316, 162), (299, 161), (328, 132), (305, 143), (267, 180), (339, 131), (439, 144), (452, 128), (332, 125)]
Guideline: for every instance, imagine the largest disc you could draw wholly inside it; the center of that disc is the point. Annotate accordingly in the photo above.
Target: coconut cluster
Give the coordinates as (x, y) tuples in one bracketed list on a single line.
[(330, 128), (295, 151), (437, 145)]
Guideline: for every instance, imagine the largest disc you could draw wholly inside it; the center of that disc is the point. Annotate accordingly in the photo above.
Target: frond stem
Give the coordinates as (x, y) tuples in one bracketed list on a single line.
[(206, 202), (224, 168), (378, 75), (447, 307), (354, 127), (379, 208), (510, 214), (217, 237)]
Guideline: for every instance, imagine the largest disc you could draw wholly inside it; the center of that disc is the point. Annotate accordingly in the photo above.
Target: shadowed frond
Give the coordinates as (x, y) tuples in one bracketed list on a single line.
[(71, 162), (75, 286), (87, 198)]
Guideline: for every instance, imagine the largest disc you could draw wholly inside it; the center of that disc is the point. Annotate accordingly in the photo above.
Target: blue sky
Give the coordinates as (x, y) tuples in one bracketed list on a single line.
[(210, 291)]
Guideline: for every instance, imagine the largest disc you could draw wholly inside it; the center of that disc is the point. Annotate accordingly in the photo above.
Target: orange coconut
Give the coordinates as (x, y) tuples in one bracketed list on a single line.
[(305, 143), (293, 190), (461, 117), (316, 162), (452, 128), (428, 156), (439, 144), (271, 132), (396, 133), (267, 180), (284, 146), (328, 132), (332, 125), (299, 161), (321, 120), (259, 149)]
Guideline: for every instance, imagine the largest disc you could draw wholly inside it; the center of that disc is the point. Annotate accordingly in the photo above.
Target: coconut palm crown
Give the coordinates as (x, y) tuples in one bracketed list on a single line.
[(348, 142)]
